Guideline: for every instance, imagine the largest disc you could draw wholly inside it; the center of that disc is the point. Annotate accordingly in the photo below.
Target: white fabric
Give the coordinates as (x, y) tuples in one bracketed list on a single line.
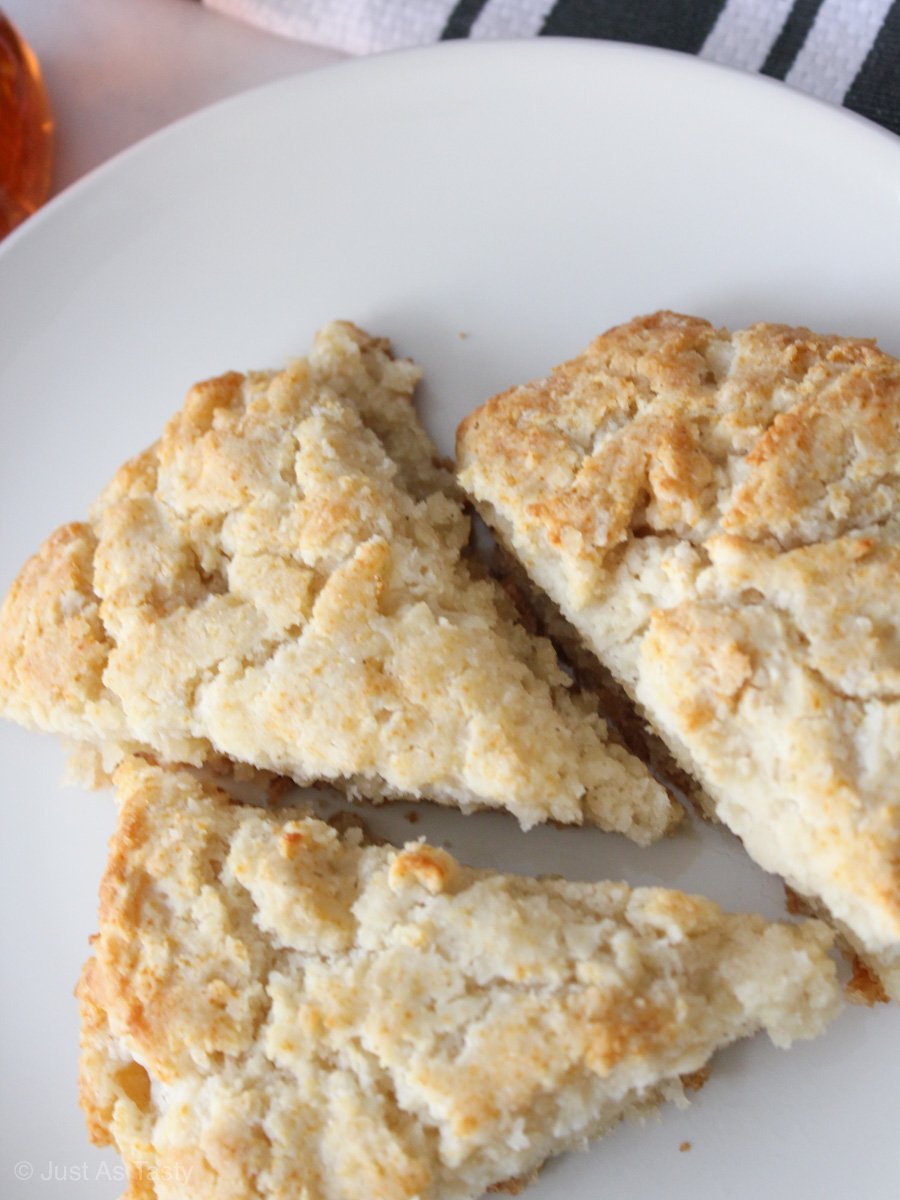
[(357, 26), (745, 32), (836, 47)]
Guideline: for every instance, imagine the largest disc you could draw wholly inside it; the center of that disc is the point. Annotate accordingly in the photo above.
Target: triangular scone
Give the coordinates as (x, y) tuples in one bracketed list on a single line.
[(280, 580), (718, 517), (276, 1011)]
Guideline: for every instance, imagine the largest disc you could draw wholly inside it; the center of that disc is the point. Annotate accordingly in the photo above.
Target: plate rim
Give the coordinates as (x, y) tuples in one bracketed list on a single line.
[(753, 83)]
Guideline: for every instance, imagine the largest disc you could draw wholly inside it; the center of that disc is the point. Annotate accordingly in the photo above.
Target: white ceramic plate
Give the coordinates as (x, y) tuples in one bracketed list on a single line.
[(490, 208)]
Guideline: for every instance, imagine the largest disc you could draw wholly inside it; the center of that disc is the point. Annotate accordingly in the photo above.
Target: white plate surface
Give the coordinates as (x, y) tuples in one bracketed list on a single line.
[(490, 208)]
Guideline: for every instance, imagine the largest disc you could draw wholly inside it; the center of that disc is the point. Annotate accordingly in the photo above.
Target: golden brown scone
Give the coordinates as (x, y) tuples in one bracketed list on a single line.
[(718, 516), (280, 580), (274, 1010)]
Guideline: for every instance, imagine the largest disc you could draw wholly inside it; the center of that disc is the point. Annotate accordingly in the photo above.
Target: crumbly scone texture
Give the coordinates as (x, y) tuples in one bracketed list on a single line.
[(275, 1010), (624, 721), (281, 580), (717, 515)]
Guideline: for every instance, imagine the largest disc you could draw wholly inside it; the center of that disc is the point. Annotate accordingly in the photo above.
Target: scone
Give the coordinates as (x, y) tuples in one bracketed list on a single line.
[(717, 515), (273, 1010), (281, 580)]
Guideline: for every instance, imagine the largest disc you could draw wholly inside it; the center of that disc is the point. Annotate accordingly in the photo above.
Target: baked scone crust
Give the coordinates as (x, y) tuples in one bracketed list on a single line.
[(274, 1010), (717, 515), (282, 581)]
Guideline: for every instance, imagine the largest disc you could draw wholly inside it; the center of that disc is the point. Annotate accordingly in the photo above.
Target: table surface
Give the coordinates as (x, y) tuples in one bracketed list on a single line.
[(118, 70)]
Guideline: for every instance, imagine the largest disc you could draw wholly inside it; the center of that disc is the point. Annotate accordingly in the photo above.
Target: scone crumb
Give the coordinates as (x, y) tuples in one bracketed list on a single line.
[(797, 905), (279, 787), (511, 1187), (290, 842), (863, 987), (85, 768), (343, 822), (685, 1146), (695, 1080), (426, 865)]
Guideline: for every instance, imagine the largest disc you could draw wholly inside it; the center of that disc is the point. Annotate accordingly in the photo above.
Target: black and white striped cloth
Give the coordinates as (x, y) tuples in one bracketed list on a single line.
[(844, 51)]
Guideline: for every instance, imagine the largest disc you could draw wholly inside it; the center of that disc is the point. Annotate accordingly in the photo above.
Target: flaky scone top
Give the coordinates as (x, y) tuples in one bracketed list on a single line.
[(717, 514), (274, 1010), (280, 580)]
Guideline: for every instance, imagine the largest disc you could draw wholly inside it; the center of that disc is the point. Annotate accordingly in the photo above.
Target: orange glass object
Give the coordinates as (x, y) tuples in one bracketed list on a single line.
[(26, 131)]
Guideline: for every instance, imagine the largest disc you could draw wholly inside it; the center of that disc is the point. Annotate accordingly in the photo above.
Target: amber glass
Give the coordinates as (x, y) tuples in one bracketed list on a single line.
[(26, 131)]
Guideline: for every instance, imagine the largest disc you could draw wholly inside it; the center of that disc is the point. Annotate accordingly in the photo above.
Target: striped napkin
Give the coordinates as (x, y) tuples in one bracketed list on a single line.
[(844, 51)]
